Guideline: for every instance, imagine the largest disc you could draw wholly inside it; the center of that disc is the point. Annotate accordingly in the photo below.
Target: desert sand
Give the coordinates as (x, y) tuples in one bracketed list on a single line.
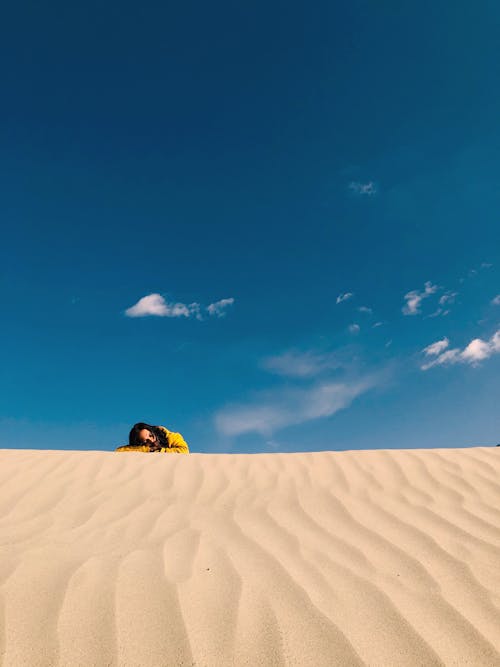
[(374, 558)]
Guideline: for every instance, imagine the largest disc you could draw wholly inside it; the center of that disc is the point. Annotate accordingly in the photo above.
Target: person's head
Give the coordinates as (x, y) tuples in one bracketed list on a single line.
[(143, 434)]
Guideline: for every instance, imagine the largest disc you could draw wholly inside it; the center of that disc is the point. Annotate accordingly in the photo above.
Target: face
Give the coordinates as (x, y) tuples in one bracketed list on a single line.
[(146, 437)]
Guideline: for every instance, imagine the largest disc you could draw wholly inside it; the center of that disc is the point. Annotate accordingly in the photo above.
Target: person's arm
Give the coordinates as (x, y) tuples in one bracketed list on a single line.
[(176, 443), (133, 448)]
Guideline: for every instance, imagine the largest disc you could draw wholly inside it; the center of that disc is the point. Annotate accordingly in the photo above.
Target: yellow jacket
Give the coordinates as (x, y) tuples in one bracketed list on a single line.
[(176, 445)]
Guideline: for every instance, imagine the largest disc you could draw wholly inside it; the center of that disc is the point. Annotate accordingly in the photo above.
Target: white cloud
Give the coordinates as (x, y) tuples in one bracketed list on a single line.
[(377, 324), (276, 409), (300, 364), (436, 348), (155, 304), (219, 307), (344, 297), (496, 300), (363, 188), (354, 328), (477, 350), (365, 309), (415, 298)]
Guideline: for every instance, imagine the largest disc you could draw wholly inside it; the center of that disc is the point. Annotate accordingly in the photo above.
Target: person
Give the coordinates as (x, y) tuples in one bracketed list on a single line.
[(147, 438)]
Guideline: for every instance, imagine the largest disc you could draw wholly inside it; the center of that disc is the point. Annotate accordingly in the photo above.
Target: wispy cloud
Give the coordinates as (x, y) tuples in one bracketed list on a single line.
[(448, 298), (445, 300), (496, 300), (365, 309), (273, 444), (363, 188), (415, 298), (219, 307), (294, 363), (437, 313), (377, 324), (354, 328), (273, 410), (476, 351), (156, 305), (436, 348), (344, 297), (474, 272)]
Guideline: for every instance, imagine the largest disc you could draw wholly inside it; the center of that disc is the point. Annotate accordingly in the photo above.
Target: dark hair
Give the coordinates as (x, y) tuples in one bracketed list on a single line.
[(133, 436)]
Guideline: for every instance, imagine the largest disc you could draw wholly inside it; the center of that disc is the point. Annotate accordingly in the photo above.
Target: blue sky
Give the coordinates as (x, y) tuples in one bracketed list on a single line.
[(272, 227)]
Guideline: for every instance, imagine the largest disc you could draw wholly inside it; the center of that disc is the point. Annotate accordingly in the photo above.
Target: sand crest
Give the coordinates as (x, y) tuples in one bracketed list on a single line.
[(373, 558)]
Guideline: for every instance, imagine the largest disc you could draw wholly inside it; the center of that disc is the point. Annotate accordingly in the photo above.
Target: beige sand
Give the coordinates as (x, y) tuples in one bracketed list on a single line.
[(327, 558)]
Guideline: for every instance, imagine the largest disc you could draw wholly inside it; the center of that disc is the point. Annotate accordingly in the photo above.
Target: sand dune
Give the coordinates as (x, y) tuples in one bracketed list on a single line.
[(373, 558)]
